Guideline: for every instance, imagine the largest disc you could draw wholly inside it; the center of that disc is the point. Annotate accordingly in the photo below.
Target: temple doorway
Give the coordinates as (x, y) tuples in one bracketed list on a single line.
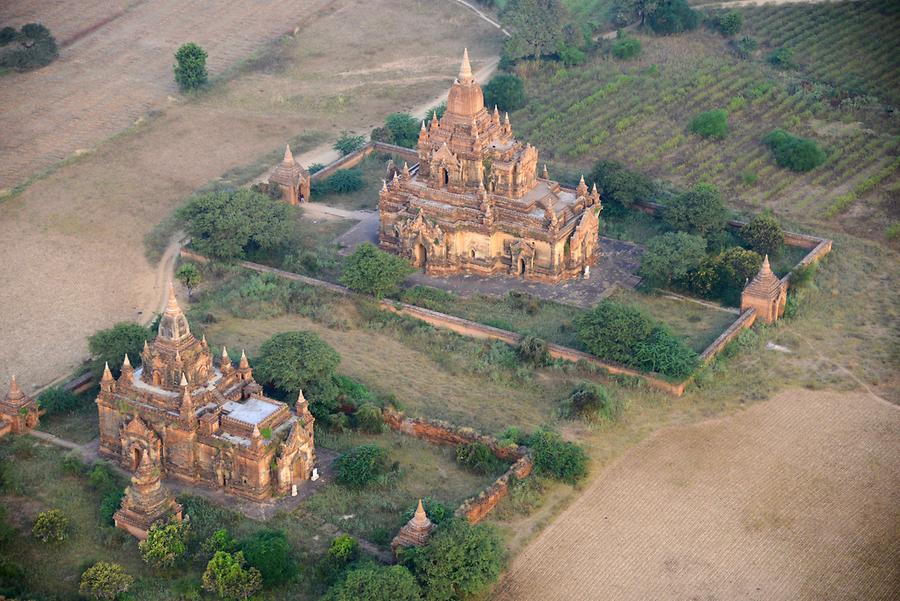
[(135, 458), (522, 267), (420, 255)]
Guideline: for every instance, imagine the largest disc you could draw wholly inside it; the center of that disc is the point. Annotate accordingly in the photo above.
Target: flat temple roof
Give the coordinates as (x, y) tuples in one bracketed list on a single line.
[(251, 411)]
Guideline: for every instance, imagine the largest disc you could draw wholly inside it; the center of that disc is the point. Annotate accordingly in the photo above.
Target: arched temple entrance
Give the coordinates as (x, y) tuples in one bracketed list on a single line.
[(522, 267), (420, 255)]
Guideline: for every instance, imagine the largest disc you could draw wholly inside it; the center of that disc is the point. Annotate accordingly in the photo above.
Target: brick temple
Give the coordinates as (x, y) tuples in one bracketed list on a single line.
[(476, 205), (202, 423), (19, 413)]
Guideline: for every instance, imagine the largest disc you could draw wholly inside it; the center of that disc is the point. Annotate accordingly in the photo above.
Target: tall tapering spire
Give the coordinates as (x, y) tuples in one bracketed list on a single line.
[(288, 155), (465, 69), (173, 325), (107, 374), (14, 390), (126, 364), (244, 363), (766, 268), (172, 303)]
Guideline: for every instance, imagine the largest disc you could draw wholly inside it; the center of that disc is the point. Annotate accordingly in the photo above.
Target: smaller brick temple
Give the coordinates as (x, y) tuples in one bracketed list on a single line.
[(414, 533), (291, 178), (19, 413), (146, 502), (765, 293), (477, 205), (203, 423)]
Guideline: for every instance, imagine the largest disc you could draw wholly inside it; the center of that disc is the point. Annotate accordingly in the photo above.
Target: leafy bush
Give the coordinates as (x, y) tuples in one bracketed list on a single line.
[(404, 129), (427, 297), (589, 401), (745, 47), (270, 552), (111, 345), (342, 181), (104, 581), (764, 235), (711, 124), (477, 457), (699, 211), (370, 270), (534, 350), (673, 16), (164, 544), (670, 257), (347, 143), (220, 540), (109, 505), (436, 511), (724, 275), (344, 549), (51, 526), (376, 583), (369, 419), (793, 152), (230, 223), (626, 47), (570, 56), (361, 465), (296, 361), (625, 334), (729, 23), (315, 168), (460, 560), (35, 47), (190, 66), (621, 186), (782, 58), (57, 400), (505, 91), (226, 576), (557, 458)]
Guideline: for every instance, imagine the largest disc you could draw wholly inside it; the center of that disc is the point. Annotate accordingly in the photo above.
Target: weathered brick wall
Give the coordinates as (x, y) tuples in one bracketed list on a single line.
[(476, 508), (356, 157), (747, 319)]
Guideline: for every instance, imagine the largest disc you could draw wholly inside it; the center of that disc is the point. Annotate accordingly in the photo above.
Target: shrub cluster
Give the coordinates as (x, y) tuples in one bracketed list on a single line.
[(764, 235), (793, 152), (361, 465), (370, 270), (591, 401), (505, 91), (342, 181), (51, 526), (58, 400), (627, 335), (401, 129), (727, 23), (672, 16), (557, 458), (625, 47), (621, 186), (30, 48), (190, 67), (477, 457), (711, 124), (348, 143), (670, 257), (723, 275)]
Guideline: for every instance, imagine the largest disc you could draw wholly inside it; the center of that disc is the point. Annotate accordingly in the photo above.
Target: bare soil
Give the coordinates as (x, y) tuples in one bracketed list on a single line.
[(75, 262), (794, 498)]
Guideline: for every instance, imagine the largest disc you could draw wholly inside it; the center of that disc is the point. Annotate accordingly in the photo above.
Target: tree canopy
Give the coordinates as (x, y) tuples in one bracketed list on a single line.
[(110, 346), (105, 581), (376, 583), (370, 270), (459, 561), (699, 211), (537, 28), (34, 47), (348, 143), (295, 361), (190, 67), (226, 576), (164, 544), (764, 235), (270, 552), (230, 223), (793, 152), (711, 124), (670, 256), (506, 91), (621, 186), (360, 465)]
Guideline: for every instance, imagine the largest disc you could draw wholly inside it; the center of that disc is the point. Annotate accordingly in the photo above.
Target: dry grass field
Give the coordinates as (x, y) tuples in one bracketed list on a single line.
[(795, 498), (77, 262)]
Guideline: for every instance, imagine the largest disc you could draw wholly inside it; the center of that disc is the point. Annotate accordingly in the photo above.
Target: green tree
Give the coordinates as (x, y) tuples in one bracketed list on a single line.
[(51, 526), (369, 418), (344, 181), (230, 223), (699, 211), (734, 268), (729, 23), (621, 186), (220, 540), (793, 152), (613, 330), (360, 465), (537, 27), (164, 544), (589, 401), (344, 549), (460, 561), (477, 457), (505, 91), (662, 352), (104, 581), (190, 67), (376, 583), (670, 256), (404, 129), (295, 361), (671, 16), (745, 47), (270, 552), (58, 400), (557, 458), (372, 271), (764, 234), (110, 346), (34, 47), (711, 124), (347, 143), (226, 576), (783, 58), (626, 47), (189, 276)]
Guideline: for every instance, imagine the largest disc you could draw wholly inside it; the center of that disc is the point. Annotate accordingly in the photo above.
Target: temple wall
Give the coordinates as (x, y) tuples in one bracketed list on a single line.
[(477, 508), (747, 319)]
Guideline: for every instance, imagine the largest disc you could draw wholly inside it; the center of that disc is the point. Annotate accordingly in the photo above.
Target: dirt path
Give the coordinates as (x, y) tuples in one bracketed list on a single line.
[(794, 498)]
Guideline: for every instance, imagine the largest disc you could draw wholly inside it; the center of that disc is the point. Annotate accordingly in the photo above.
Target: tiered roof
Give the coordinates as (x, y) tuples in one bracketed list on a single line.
[(766, 284)]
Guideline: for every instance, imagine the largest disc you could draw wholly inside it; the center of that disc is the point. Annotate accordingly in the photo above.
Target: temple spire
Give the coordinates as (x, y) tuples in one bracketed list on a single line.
[(126, 364), (766, 268), (107, 374), (288, 155), (420, 516), (14, 390), (244, 363), (465, 69), (172, 304)]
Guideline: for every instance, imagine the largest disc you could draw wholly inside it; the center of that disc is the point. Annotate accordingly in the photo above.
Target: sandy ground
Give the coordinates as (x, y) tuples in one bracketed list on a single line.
[(74, 261), (794, 498)]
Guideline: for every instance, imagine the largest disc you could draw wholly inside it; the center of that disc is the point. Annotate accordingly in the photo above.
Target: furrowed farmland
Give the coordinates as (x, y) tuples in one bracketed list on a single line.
[(637, 111)]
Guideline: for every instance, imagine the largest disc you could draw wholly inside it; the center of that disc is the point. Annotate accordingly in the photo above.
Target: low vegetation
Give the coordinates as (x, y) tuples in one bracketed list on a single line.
[(190, 67), (711, 124), (370, 270), (793, 152)]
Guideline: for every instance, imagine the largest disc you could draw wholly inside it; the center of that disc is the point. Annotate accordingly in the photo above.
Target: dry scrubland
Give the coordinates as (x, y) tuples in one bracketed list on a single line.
[(638, 111), (78, 264), (784, 500)]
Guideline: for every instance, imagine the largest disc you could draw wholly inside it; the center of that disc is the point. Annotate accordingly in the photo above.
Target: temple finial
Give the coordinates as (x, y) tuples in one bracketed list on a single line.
[(465, 69), (126, 364), (184, 381), (107, 374), (766, 268), (13, 386), (288, 155), (172, 304), (244, 363)]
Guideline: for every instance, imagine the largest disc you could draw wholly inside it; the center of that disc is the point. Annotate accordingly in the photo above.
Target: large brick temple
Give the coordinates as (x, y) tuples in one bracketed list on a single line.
[(202, 423), (476, 204)]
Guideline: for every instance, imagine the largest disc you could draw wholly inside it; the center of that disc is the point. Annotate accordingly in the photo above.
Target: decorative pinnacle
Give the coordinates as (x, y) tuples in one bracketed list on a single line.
[(184, 381), (420, 518), (13, 387), (384, 185), (243, 363), (423, 124), (107, 375), (126, 364), (224, 352), (581, 181), (288, 155), (301, 400), (465, 69), (765, 269), (172, 304), (146, 346)]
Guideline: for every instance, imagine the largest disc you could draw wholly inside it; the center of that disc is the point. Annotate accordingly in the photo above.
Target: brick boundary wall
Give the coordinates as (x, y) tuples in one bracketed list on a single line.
[(747, 319), (474, 509), (357, 156)]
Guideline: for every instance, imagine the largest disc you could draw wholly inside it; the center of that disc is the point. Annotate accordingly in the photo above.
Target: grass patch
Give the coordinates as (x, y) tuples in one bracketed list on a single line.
[(373, 171)]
